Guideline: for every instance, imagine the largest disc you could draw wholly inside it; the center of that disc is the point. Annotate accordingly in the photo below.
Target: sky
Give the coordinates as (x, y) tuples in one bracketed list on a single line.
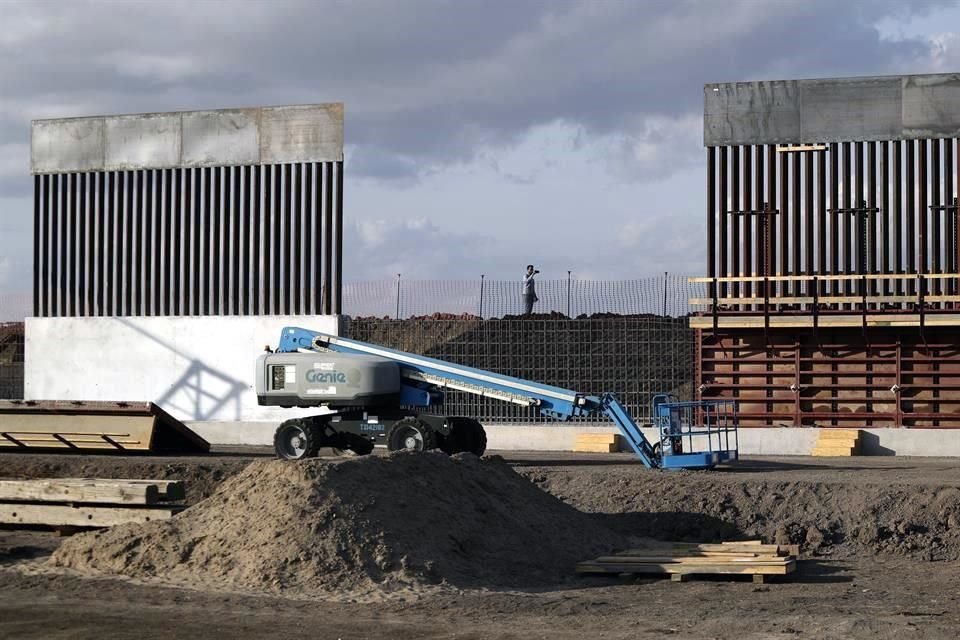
[(480, 135)]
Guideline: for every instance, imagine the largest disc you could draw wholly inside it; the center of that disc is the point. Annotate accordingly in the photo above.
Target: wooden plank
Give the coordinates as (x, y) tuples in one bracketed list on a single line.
[(839, 434), (595, 447), (716, 569), (824, 277), (56, 515), (760, 561), (599, 437), (832, 451), (167, 489), (90, 491), (826, 321)]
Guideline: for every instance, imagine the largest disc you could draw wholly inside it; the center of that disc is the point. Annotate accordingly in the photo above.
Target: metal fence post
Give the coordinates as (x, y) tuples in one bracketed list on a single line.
[(568, 293), (664, 294), (481, 296), (398, 297)]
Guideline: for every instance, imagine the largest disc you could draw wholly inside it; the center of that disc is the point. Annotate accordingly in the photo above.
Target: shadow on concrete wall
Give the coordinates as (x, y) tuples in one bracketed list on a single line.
[(201, 392), (870, 445)]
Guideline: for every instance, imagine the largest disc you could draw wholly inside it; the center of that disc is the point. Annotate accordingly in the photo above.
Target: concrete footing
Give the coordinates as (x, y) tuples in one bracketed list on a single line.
[(548, 437)]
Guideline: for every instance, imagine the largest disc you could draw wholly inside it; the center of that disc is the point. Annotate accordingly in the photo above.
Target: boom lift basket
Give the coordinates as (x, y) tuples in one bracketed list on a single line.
[(695, 435)]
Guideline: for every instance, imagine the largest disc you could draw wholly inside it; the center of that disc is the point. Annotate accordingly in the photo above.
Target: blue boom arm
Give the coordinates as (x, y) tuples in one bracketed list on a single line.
[(421, 372)]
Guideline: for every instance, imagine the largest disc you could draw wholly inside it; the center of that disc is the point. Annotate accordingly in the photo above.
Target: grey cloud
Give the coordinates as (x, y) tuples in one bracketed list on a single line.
[(432, 81)]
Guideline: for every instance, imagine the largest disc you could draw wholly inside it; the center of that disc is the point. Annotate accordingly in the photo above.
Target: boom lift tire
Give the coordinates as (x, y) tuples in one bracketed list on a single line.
[(296, 439), (466, 435), (411, 434)]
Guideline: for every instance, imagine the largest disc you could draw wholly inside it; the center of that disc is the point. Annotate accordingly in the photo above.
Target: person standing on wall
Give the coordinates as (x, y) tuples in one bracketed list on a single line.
[(529, 290)]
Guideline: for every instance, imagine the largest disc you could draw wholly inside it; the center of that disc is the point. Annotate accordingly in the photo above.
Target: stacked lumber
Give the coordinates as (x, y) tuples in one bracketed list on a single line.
[(837, 442), (598, 443), (88, 502), (681, 560)]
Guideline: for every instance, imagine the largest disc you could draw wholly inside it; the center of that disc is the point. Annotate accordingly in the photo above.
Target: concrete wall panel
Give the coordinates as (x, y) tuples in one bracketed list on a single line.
[(139, 141), (832, 110), (301, 133), (855, 109), (931, 106), (744, 110), (72, 144), (196, 368), (209, 136)]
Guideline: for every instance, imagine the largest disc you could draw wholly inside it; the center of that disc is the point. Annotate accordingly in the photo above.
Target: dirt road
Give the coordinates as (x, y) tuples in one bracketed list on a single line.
[(884, 561)]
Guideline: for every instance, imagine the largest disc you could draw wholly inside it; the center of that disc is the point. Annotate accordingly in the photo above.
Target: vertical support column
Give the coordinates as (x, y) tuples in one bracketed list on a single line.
[(796, 245), (760, 239), (328, 238), (870, 246), (835, 233), (922, 211), (845, 234), (860, 231), (935, 214), (884, 214), (39, 232)]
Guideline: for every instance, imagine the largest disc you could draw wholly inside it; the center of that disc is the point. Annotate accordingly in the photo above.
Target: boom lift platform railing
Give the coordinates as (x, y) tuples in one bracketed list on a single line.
[(423, 374)]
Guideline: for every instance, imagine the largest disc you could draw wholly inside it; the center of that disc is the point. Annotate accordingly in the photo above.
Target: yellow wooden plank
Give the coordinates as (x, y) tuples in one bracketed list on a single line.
[(839, 434), (599, 437), (595, 447), (90, 491), (832, 451)]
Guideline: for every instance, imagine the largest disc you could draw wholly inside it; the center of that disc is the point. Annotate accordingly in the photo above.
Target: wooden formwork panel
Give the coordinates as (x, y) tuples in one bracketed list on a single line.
[(884, 377)]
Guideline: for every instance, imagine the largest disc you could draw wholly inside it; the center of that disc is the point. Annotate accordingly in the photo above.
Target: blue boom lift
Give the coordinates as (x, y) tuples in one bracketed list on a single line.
[(378, 395)]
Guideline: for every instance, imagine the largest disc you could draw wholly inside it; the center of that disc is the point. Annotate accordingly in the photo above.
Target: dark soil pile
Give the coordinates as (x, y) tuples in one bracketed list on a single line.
[(823, 517), (365, 525)]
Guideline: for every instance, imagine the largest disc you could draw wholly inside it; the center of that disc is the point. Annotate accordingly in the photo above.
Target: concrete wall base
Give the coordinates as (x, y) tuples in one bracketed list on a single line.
[(546, 437)]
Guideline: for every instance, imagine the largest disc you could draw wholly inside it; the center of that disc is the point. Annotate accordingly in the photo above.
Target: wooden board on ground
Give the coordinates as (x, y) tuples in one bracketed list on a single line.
[(92, 490), (57, 515), (683, 559)]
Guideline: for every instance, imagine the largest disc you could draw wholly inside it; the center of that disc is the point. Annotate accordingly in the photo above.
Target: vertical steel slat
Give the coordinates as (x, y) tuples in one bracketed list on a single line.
[(63, 261), (126, 268), (845, 217), (723, 240), (910, 197), (246, 244), (758, 247), (86, 224), (313, 236), (157, 232), (101, 225), (111, 243), (283, 241), (784, 224), (735, 239), (216, 240), (197, 238), (885, 213), (772, 222), (228, 221), (747, 195), (149, 220), (834, 216), (38, 233), (923, 257), (180, 213), (256, 254), (858, 248), (338, 239), (296, 229), (949, 239), (169, 196), (327, 237), (289, 233), (205, 222), (77, 292), (898, 213), (821, 215), (238, 222), (795, 220), (303, 224), (279, 228), (711, 216), (808, 222), (269, 220), (871, 218), (136, 251), (934, 216)]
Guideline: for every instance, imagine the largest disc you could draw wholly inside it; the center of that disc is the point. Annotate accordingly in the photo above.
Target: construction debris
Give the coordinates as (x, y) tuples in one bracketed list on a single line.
[(681, 560), (87, 502)]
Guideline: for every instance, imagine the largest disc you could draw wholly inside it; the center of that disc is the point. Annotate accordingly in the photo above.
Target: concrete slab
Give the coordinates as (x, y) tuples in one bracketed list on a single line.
[(70, 144)]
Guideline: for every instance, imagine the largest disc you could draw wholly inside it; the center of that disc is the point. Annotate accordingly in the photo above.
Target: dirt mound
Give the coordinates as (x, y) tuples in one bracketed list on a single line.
[(372, 524), (823, 517)]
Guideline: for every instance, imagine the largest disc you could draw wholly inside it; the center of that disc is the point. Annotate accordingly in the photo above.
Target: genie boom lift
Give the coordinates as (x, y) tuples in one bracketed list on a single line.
[(375, 395)]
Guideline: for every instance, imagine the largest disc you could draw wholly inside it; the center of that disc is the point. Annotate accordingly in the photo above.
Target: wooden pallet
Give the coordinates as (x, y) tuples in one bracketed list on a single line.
[(682, 560), (87, 502)]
